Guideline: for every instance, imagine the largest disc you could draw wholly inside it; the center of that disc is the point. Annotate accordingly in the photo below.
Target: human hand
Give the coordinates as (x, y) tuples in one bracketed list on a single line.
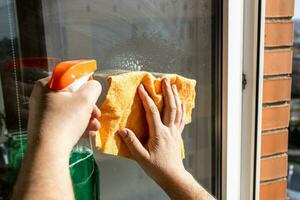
[(161, 158), (57, 120)]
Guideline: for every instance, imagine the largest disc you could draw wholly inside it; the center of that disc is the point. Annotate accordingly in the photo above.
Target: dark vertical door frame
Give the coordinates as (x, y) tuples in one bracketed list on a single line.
[(31, 28), (217, 47)]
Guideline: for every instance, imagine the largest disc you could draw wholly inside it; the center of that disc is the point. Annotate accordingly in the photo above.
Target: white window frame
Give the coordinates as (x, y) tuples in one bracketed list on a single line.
[(232, 98), (252, 97), (243, 39)]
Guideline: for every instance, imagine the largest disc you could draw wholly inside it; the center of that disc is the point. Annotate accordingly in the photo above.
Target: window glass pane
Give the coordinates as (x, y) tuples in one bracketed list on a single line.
[(169, 36)]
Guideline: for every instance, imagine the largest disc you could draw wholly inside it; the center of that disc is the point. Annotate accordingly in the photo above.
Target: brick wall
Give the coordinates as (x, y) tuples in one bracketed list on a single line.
[(276, 98)]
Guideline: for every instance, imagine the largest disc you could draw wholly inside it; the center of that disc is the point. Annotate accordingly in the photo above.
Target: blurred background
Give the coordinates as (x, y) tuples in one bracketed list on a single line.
[(294, 128)]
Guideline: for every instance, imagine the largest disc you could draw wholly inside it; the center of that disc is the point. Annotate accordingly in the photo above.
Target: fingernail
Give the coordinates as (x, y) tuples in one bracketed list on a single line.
[(141, 86), (123, 133), (174, 87), (167, 81), (92, 133)]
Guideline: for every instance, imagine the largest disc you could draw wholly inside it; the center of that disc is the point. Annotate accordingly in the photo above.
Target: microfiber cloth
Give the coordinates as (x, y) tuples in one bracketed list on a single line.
[(122, 107)]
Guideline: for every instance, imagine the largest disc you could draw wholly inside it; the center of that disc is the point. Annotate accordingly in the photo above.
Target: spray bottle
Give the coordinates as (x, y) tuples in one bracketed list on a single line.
[(69, 76)]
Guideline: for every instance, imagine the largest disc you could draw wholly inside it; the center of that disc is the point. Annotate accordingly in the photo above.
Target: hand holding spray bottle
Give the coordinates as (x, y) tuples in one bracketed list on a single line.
[(69, 76)]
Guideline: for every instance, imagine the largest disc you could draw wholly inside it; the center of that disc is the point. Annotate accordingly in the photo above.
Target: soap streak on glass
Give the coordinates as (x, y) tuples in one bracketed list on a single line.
[(166, 36)]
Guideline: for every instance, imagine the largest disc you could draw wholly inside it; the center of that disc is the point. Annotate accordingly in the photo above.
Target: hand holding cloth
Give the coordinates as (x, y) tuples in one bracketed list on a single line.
[(122, 107)]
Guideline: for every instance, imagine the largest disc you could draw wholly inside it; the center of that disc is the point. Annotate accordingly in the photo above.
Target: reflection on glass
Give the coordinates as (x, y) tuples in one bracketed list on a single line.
[(169, 36)]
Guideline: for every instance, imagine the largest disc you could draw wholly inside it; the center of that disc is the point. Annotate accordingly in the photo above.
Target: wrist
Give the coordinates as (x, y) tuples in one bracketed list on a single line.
[(173, 177), (53, 139), (186, 186), (49, 148)]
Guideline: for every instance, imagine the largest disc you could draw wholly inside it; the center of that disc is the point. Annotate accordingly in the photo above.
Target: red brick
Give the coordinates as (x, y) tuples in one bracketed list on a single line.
[(275, 90), (273, 167), (278, 62), (273, 191), (274, 142), (279, 8), (279, 33), (274, 117)]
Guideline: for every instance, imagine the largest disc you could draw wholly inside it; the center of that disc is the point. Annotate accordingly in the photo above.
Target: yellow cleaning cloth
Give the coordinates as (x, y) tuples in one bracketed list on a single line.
[(122, 108)]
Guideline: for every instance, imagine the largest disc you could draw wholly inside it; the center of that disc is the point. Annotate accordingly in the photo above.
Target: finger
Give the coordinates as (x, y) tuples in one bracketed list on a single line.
[(170, 105), (40, 85), (96, 113), (183, 119), (93, 133), (89, 92), (135, 147), (87, 133), (178, 105), (39, 89), (152, 113), (94, 125), (44, 81)]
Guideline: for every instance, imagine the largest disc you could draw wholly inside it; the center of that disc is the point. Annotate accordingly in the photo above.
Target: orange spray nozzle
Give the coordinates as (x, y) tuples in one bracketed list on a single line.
[(71, 74)]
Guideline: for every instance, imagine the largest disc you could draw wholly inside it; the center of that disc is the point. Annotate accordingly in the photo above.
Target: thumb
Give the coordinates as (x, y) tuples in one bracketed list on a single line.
[(135, 147), (90, 91)]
